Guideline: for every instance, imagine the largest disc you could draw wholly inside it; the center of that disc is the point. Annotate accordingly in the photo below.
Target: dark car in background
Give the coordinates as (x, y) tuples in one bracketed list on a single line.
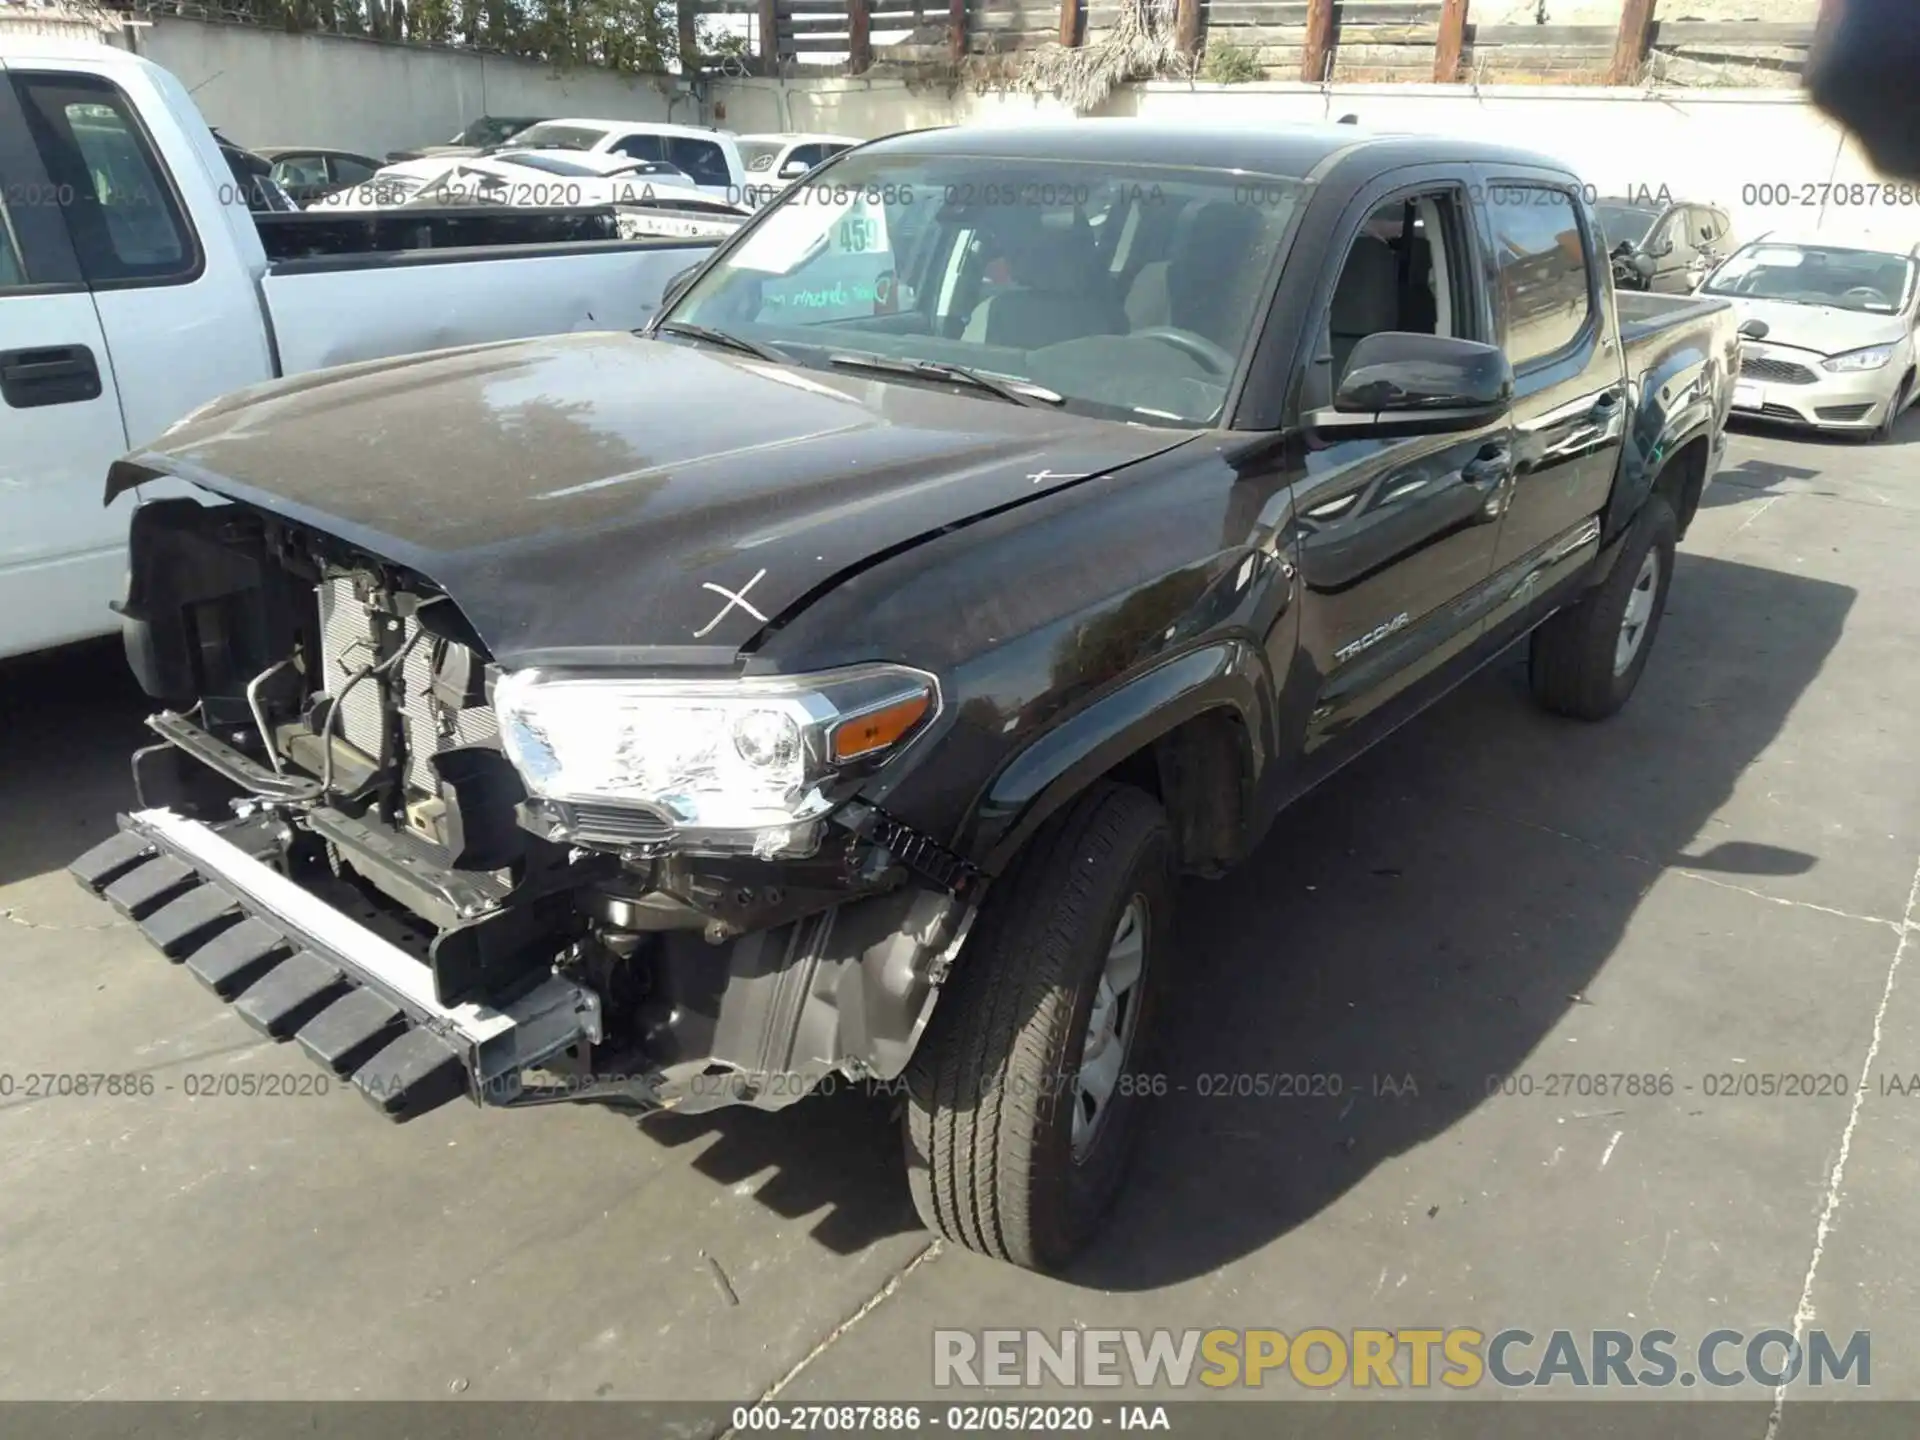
[(253, 174), (308, 172), (1661, 245)]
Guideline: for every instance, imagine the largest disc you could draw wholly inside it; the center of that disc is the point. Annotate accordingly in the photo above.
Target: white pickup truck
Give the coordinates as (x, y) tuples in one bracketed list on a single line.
[(135, 286)]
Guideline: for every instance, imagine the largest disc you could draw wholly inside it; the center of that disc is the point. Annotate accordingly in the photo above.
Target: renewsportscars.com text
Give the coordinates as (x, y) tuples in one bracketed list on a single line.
[(1459, 1358)]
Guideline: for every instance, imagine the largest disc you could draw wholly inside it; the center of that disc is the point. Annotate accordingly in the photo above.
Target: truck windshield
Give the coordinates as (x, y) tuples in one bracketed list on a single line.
[(1873, 282), (1125, 290)]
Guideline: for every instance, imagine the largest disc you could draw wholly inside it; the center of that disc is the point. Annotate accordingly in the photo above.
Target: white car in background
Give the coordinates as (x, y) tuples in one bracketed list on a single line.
[(650, 196), (709, 157), (776, 161), (1827, 328)]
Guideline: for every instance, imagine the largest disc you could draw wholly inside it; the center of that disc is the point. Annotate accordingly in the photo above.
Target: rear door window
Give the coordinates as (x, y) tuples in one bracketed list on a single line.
[(705, 161), (1544, 281), (640, 147)]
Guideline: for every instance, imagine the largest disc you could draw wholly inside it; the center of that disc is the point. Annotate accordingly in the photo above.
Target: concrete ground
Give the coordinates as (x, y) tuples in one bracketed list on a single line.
[(1719, 883)]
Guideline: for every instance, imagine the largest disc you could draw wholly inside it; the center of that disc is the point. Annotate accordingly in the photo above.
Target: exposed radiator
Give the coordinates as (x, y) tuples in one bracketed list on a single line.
[(347, 646)]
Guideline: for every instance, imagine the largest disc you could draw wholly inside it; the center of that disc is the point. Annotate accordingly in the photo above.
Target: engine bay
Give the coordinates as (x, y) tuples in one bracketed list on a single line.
[(343, 705)]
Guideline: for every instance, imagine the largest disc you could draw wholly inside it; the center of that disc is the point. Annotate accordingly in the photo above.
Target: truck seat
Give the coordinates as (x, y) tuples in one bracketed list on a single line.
[(1366, 301)]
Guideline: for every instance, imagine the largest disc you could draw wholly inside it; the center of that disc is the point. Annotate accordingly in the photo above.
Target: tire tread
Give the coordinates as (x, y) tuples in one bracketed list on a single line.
[(970, 1130)]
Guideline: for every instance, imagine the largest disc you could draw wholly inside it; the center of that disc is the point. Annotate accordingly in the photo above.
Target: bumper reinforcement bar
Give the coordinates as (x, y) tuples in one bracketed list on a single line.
[(296, 968)]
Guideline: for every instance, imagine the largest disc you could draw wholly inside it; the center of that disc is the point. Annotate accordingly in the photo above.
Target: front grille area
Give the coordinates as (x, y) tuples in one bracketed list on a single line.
[(1843, 413), (616, 824), (1780, 412), (348, 644), (1778, 372)]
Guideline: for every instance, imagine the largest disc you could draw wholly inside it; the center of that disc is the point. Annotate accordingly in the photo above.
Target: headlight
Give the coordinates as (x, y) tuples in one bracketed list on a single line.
[(1876, 358), (732, 764)]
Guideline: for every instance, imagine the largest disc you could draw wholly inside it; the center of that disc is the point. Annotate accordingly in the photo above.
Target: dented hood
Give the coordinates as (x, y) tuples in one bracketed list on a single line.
[(603, 498)]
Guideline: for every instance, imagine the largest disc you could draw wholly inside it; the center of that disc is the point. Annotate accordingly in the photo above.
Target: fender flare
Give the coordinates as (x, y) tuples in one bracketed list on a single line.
[(1060, 763)]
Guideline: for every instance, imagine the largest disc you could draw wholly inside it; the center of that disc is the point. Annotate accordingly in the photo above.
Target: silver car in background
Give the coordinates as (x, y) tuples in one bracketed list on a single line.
[(1827, 327)]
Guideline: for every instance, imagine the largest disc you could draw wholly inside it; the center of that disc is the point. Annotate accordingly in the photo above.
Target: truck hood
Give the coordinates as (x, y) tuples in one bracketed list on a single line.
[(1823, 329), (604, 498)]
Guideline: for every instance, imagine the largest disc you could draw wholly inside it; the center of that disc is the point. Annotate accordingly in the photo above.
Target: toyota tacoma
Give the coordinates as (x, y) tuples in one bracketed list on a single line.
[(833, 678)]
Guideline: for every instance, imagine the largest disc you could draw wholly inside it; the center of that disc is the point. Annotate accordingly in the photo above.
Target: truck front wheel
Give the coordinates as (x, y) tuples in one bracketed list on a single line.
[(1587, 659), (1025, 1091)]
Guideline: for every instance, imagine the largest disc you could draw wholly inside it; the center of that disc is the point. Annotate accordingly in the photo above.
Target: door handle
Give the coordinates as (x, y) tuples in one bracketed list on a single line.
[(1492, 467), (48, 375)]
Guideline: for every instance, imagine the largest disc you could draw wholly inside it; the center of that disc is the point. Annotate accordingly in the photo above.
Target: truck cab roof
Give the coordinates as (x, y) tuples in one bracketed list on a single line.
[(1293, 151)]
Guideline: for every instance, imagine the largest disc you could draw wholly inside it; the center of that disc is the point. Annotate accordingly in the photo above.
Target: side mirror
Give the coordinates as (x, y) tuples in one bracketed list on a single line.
[(1643, 265), (677, 286), (1661, 248), (1754, 329), (1418, 385), (794, 169)]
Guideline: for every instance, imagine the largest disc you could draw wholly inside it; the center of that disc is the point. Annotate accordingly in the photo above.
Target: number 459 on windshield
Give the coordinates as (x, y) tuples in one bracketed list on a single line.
[(862, 233)]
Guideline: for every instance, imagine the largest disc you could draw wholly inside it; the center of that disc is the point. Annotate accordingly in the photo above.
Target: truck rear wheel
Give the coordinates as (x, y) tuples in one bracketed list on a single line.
[(1586, 660), (1025, 1092)]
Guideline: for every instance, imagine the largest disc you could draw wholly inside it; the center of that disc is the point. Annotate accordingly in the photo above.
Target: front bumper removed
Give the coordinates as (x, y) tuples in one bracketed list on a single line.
[(296, 968)]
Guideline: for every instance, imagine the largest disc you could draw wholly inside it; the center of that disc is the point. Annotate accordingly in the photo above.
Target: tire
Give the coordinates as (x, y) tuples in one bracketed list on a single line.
[(993, 1087), (1574, 664)]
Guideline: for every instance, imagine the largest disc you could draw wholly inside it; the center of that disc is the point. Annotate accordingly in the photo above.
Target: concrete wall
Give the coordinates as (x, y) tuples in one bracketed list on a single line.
[(1709, 144), (265, 87)]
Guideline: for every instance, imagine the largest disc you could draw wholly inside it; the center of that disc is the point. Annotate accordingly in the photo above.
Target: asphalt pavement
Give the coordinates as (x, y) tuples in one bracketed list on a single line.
[(1719, 884)]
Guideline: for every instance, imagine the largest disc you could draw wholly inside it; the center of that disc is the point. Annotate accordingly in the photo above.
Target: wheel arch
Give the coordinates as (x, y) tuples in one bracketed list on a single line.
[(1192, 732)]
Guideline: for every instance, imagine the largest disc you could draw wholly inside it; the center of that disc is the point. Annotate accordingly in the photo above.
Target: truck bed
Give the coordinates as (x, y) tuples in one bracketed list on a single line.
[(338, 309), (366, 232), (1644, 315)]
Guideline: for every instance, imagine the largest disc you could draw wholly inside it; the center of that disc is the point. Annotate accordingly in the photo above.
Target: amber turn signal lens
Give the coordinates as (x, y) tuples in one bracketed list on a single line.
[(877, 729)]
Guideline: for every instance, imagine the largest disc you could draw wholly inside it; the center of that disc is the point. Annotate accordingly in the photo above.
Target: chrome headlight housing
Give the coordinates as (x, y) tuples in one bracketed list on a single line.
[(1874, 357), (735, 764)]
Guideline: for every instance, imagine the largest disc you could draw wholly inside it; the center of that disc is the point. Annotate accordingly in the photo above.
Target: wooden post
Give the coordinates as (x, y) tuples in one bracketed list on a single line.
[(769, 37), (1072, 13), (1315, 54), (1453, 38), (957, 30), (689, 38), (859, 37), (1186, 27), (1630, 49)]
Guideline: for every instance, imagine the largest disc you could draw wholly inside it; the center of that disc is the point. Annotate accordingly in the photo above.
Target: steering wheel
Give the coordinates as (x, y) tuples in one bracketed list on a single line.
[(1870, 294), (1214, 357)]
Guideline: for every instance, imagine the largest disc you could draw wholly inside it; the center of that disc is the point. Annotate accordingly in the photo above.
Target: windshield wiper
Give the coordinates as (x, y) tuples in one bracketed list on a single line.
[(722, 337), (1018, 392)]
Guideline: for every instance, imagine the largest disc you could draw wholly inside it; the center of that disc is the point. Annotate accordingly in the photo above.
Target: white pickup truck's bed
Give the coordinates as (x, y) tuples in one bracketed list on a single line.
[(145, 291), (335, 310)]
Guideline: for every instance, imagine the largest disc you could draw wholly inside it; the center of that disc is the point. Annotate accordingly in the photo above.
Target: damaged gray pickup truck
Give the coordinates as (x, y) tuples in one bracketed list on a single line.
[(834, 678)]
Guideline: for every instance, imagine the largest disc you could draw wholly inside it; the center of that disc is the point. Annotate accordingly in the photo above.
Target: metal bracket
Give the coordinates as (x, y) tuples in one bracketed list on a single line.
[(926, 857)]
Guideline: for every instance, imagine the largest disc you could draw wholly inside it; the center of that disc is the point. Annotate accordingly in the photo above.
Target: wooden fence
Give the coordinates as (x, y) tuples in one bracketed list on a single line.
[(1313, 40)]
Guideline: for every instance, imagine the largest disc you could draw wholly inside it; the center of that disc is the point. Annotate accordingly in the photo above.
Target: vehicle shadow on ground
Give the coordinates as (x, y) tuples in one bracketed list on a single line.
[(1433, 912), (70, 720), (839, 1152), (1813, 449)]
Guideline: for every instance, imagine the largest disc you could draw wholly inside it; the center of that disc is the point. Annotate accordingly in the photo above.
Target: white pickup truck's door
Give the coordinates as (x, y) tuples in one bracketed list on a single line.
[(118, 282), (59, 419)]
